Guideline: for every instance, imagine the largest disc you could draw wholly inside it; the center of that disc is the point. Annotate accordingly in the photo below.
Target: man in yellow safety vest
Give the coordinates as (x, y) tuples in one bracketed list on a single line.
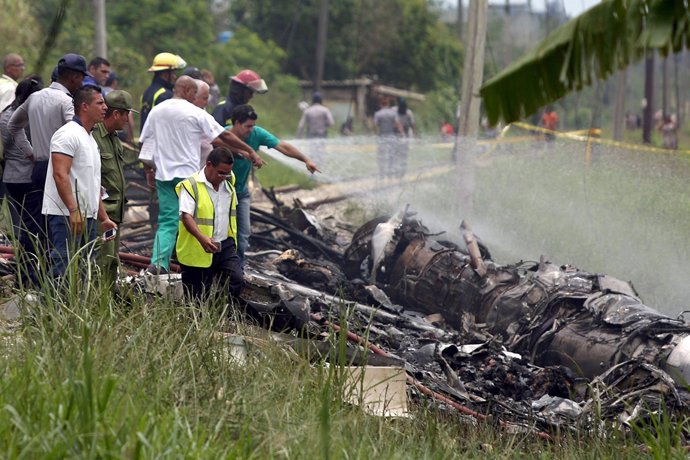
[(206, 242)]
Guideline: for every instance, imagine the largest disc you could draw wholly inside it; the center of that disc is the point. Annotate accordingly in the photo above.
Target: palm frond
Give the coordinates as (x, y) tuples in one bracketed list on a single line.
[(605, 38)]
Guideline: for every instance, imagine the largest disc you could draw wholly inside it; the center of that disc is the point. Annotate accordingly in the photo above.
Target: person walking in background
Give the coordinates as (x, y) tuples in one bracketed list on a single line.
[(669, 131), (112, 173), (12, 71), (388, 129), (405, 118), (316, 119), (244, 126), (447, 131), (549, 120), (73, 198), (206, 241), (172, 136), (242, 89), (16, 177)]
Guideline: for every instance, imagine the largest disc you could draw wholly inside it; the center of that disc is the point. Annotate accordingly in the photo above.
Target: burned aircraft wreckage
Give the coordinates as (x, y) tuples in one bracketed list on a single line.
[(554, 315), (531, 342)]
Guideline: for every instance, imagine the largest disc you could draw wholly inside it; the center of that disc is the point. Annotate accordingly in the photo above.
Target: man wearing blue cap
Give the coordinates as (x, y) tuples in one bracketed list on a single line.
[(44, 112)]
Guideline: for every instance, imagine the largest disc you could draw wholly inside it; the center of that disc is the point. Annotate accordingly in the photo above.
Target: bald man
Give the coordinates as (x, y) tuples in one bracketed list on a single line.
[(172, 137), (13, 69)]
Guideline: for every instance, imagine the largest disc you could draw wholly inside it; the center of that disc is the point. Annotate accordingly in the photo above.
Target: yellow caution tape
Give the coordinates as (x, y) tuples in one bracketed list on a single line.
[(578, 136)]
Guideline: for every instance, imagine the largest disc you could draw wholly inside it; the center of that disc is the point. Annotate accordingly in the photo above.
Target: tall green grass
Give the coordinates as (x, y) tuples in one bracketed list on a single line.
[(94, 374)]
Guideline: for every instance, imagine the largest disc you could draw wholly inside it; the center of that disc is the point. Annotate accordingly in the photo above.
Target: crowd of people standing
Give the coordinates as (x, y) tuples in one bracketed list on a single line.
[(64, 167), (64, 164)]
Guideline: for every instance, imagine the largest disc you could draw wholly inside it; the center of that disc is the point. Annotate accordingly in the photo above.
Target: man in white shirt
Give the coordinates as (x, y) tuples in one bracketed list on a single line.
[(175, 128), (13, 69), (201, 101), (72, 200)]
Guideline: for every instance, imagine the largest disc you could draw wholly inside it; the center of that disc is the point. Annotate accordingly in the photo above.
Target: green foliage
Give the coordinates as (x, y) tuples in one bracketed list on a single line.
[(440, 106), (606, 38), (19, 30), (277, 109), (662, 435), (155, 26), (246, 50), (409, 49)]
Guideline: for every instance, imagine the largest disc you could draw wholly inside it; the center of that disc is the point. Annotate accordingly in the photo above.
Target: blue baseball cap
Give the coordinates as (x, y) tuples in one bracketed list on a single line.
[(73, 61)]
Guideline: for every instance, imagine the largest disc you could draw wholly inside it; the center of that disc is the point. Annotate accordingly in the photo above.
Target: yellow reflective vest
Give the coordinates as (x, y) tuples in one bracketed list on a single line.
[(189, 250)]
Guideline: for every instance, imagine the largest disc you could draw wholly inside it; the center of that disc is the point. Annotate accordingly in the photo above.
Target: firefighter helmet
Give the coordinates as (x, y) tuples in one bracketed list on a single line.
[(167, 61), (251, 80)]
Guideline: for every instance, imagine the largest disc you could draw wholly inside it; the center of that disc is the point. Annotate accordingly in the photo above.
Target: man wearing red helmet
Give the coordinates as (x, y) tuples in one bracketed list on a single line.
[(242, 88)]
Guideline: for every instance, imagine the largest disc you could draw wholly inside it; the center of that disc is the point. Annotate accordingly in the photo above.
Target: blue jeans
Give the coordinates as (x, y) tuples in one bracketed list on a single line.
[(244, 225), (65, 245), (168, 219)]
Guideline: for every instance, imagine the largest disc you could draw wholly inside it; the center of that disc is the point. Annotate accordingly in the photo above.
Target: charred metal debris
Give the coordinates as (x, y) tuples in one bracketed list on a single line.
[(532, 345)]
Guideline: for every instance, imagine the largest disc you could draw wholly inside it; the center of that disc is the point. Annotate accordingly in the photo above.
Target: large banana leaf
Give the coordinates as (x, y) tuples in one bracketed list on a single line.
[(605, 38)]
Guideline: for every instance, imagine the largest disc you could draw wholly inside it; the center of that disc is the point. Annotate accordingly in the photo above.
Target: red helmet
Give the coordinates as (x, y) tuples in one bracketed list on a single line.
[(251, 80)]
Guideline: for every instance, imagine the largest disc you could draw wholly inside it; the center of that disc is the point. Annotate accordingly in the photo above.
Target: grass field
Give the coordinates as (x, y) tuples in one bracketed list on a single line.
[(88, 375)]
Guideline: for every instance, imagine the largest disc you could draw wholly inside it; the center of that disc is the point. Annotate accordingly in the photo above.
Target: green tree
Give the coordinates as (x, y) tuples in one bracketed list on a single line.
[(607, 37), (19, 30), (155, 26), (246, 50), (400, 41)]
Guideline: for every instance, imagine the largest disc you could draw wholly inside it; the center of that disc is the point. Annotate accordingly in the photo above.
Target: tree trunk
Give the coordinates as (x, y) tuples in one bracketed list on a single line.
[(619, 111), (648, 112), (321, 38), (664, 85)]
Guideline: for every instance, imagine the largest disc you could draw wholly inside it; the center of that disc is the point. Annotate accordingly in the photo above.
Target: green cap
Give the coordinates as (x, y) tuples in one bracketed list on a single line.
[(119, 99)]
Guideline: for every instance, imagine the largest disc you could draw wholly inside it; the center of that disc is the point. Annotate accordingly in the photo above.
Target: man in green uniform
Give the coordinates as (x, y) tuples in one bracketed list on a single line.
[(112, 172)]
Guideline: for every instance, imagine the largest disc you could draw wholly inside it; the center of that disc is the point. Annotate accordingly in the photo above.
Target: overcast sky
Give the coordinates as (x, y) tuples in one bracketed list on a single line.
[(572, 7)]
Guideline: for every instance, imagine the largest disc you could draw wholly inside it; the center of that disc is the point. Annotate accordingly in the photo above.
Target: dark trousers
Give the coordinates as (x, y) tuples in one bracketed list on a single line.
[(225, 271), (36, 223), (25, 230), (66, 245)]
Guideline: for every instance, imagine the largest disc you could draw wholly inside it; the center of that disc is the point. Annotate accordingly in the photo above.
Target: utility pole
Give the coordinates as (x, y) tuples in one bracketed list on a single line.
[(648, 112), (473, 69), (322, 34), (468, 113), (460, 19), (100, 36)]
